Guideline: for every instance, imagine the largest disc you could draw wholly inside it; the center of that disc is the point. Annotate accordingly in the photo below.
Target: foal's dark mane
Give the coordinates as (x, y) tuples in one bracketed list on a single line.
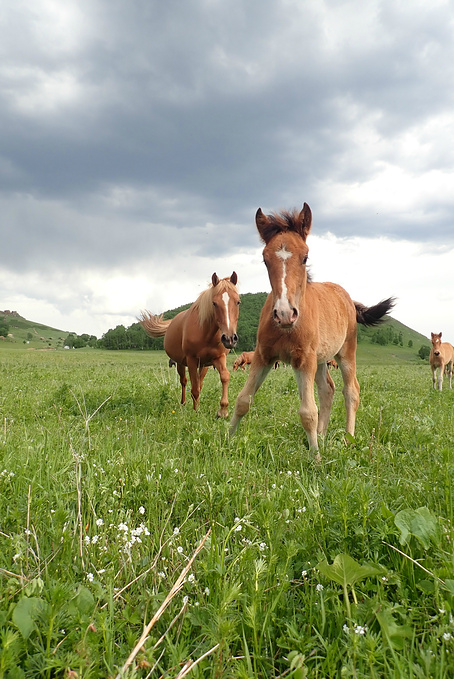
[(287, 220)]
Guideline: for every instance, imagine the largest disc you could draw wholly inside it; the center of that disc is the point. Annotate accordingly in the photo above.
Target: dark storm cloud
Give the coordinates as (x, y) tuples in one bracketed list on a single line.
[(127, 121)]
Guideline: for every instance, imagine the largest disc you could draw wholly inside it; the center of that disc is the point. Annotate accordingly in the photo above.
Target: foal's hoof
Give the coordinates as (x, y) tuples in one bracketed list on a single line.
[(222, 414), (318, 458)]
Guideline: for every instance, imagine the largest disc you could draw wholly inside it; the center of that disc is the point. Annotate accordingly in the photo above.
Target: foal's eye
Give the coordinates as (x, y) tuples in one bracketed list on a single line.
[(214, 304), (305, 260)]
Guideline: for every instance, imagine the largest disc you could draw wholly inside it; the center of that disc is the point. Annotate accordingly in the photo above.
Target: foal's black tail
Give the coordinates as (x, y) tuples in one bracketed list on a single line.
[(373, 315)]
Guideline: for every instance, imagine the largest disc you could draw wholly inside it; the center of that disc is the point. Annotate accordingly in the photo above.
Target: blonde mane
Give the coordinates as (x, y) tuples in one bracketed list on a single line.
[(204, 302)]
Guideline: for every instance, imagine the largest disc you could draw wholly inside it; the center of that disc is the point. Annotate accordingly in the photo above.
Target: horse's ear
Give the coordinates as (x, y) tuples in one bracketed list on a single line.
[(305, 221), (261, 221), (214, 279), (234, 278), (432, 335), (441, 335)]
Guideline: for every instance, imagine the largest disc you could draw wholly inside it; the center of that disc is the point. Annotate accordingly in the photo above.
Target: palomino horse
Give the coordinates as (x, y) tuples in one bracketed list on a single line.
[(201, 336), (441, 357), (243, 360), (305, 324)]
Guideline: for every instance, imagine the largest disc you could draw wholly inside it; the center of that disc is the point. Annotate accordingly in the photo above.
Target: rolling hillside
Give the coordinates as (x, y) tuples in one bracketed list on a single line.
[(30, 334), (25, 334)]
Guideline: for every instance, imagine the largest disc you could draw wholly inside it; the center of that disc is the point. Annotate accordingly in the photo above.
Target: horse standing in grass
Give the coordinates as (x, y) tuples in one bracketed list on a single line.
[(305, 324), (201, 336), (441, 357), (243, 360)]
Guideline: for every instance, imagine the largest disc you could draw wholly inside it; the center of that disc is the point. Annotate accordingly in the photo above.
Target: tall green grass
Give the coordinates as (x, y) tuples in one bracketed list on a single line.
[(108, 484)]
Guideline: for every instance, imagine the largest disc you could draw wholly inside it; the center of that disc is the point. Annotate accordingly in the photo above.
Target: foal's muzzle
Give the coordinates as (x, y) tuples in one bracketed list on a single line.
[(229, 342), (287, 318)]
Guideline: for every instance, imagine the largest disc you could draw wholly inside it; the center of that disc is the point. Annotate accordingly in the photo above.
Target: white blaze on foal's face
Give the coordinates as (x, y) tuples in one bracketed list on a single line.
[(284, 255)]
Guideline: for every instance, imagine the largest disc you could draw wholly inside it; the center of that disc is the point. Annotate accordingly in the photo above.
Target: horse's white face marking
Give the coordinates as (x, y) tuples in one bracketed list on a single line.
[(283, 303), (225, 299)]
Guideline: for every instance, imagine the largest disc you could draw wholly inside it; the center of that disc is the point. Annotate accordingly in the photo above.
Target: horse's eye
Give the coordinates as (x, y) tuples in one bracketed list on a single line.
[(214, 304), (239, 302), (305, 260)]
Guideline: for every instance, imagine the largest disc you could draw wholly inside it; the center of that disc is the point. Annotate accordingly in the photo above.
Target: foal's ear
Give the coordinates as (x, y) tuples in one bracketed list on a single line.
[(214, 279), (305, 221), (261, 221), (234, 278)]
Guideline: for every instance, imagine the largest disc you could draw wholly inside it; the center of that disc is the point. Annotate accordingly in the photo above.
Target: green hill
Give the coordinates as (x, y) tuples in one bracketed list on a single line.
[(390, 342), (29, 334)]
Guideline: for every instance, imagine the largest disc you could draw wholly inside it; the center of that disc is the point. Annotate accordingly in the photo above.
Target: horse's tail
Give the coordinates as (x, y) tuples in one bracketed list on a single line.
[(373, 315), (155, 326)]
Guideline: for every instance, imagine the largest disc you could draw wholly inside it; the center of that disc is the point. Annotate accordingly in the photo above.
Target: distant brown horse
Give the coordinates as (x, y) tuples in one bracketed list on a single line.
[(332, 364), (201, 336), (243, 360), (441, 357), (305, 324)]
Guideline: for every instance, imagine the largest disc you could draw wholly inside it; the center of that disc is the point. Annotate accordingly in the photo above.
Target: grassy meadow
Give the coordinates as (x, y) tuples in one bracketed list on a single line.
[(108, 486)]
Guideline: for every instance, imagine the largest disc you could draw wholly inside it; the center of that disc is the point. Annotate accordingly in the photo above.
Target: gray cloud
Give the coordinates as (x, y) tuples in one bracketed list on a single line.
[(129, 131)]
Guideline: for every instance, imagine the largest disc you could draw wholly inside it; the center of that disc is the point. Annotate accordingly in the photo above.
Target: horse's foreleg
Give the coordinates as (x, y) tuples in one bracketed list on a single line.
[(450, 365), (183, 381), (308, 408), (193, 367), (325, 388), (350, 392), (441, 371), (257, 374), (221, 366)]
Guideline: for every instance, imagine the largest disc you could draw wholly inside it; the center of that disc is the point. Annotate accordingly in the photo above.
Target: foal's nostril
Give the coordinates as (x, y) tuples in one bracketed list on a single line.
[(235, 338)]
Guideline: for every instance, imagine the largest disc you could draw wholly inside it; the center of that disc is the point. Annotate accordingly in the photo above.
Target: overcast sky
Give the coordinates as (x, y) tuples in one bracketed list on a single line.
[(139, 137)]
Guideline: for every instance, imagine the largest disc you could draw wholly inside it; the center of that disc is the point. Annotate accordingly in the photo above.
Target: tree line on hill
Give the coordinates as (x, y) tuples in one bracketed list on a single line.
[(135, 337)]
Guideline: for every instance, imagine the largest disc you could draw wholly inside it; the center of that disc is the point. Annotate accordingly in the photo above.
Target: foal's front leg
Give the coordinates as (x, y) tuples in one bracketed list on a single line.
[(305, 376), (441, 371), (244, 399)]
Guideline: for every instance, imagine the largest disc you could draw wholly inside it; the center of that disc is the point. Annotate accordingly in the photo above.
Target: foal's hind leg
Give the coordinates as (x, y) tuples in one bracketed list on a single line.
[(325, 388), (450, 373), (183, 381), (350, 391)]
